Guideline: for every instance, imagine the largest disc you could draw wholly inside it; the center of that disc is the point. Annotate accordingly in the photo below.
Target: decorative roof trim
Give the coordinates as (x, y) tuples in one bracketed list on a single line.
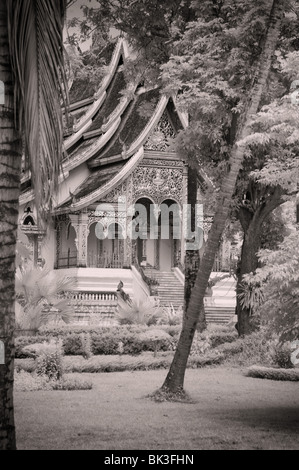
[(90, 151), (112, 67), (182, 116), (90, 113), (148, 128), (115, 181), (139, 141), (70, 141), (79, 104), (123, 103), (80, 127), (115, 114), (26, 197)]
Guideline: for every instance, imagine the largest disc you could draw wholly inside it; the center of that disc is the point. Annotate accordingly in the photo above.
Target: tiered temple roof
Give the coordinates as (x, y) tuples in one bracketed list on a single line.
[(111, 128)]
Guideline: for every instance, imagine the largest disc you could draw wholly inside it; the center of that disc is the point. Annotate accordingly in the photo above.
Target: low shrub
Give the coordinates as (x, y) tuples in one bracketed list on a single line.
[(86, 345), (221, 337), (281, 354), (72, 345), (77, 345), (230, 349), (200, 345), (272, 373), (72, 382), (36, 349), (49, 364), (27, 382), (27, 365), (23, 341), (144, 361), (256, 349), (172, 330), (131, 344), (106, 344), (211, 358), (155, 340)]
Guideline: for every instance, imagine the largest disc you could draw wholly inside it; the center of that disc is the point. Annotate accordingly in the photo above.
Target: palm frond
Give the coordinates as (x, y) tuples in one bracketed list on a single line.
[(36, 48)]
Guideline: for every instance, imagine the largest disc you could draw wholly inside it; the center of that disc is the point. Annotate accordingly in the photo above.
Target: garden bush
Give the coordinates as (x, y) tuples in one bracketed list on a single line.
[(200, 345), (86, 345), (256, 349), (72, 382), (49, 364), (212, 358), (221, 337), (23, 341), (106, 343), (72, 345), (27, 382), (230, 349), (281, 354), (155, 340), (62, 331), (272, 373)]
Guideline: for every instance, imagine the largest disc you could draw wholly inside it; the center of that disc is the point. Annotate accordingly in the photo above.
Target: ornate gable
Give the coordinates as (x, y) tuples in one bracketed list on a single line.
[(160, 136)]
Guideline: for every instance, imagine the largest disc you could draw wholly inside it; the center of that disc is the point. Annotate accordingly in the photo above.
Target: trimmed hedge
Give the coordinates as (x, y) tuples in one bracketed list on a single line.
[(122, 339), (63, 331), (114, 343), (23, 341), (218, 338), (272, 373)]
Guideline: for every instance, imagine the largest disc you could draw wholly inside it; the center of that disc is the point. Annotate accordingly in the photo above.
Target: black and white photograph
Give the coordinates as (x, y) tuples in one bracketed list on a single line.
[(149, 228)]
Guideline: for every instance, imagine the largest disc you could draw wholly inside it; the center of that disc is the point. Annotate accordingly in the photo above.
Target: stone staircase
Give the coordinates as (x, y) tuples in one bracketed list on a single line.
[(220, 308), (170, 289)]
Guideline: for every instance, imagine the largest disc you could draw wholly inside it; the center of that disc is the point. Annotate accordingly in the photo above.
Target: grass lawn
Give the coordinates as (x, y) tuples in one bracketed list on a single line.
[(228, 411)]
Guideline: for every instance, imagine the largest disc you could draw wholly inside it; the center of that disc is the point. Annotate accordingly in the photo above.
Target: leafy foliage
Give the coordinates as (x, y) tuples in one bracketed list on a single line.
[(273, 289), (39, 297), (35, 41), (170, 315), (137, 312), (49, 364)]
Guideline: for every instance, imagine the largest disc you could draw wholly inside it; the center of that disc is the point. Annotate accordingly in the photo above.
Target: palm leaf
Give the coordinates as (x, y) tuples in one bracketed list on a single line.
[(35, 37)]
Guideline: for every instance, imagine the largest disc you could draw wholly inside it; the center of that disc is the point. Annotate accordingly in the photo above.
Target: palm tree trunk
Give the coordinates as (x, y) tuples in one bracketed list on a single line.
[(174, 381), (10, 170)]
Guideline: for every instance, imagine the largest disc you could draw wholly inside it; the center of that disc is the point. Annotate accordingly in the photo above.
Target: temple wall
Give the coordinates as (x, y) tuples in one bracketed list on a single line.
[(48, 249)]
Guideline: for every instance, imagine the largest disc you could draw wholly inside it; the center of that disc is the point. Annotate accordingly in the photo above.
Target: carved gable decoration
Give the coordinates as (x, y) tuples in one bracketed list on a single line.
[(159, 138)]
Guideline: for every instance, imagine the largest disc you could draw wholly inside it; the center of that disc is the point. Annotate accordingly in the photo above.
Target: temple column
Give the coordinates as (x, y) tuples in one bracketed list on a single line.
[(128, 245), (80, 224)]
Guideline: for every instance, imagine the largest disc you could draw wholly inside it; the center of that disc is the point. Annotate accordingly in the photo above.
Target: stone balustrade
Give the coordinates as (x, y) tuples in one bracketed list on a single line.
[(96, 307)]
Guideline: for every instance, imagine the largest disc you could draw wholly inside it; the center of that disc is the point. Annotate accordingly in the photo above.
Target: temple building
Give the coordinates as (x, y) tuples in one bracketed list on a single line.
[(119, 156)]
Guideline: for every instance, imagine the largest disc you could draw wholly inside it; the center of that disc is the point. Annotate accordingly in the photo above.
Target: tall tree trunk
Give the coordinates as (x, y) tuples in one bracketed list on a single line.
[(192, 259), (174, 381), (252, 223), (10, 170), (248, 263)]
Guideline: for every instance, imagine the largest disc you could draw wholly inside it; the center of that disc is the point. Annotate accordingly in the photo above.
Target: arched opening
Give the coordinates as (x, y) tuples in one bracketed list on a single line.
[(116, 237), (105, 248), (145, 244), (29, 220), (66, 246), (169, 229)]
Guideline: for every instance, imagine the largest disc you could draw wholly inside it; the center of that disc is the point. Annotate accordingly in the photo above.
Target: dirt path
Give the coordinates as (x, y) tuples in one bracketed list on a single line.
[(230, 411)]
